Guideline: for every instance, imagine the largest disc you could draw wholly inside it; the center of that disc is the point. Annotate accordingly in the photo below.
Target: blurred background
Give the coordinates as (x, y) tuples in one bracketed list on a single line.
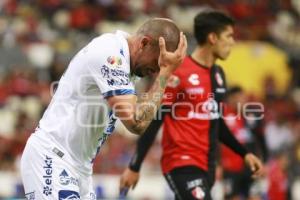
[(39, 37)]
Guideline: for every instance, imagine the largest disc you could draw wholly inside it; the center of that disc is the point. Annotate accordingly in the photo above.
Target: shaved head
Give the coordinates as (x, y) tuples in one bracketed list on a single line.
[(144, 45), (161, 27)]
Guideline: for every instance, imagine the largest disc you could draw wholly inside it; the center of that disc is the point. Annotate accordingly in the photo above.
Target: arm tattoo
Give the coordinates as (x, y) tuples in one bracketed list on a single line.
[(148, 104)]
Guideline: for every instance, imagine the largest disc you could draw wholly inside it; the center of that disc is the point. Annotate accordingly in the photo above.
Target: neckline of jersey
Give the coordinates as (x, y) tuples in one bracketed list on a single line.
[(198, 64)]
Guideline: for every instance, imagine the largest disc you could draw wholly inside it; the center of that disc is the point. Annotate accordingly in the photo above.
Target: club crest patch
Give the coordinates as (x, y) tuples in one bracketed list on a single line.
[(114, 61)]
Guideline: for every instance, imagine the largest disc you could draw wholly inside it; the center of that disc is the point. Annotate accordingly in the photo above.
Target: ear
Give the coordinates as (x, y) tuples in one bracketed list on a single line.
[(212, 38), (144, 42)]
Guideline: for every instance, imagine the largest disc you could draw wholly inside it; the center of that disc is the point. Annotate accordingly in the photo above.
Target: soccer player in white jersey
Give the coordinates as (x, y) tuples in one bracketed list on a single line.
[(94, 92)]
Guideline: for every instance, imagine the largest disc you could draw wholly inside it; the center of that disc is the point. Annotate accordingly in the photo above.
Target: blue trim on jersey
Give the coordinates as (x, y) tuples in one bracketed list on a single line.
[(118, 92), (110, 127)]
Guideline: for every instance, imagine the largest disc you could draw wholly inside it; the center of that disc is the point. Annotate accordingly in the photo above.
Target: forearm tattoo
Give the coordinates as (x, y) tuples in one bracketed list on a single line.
[(149, 102)]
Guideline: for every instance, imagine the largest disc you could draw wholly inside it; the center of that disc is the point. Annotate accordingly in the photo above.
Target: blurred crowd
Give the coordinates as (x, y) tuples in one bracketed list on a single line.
[(38, 38)]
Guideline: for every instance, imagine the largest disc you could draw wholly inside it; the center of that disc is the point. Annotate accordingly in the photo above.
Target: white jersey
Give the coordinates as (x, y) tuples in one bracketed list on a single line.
[(78, 119)]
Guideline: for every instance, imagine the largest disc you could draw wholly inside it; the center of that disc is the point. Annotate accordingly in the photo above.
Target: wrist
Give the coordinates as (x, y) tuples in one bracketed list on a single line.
[(134, 168), (165, 71), (134, 165)]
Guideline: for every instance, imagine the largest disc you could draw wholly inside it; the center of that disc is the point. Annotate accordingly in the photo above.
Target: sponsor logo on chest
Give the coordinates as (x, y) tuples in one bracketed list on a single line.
[(68, 194), (65, 179), (47, 176), (194, 79)]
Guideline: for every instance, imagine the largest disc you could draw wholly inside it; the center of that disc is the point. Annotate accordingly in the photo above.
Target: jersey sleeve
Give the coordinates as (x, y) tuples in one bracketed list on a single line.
[(110, 71), (227, 138), (172, 89)]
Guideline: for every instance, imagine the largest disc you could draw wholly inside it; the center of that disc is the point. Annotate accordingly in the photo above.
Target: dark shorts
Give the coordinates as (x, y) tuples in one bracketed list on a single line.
[(189, 183), (237, 183)]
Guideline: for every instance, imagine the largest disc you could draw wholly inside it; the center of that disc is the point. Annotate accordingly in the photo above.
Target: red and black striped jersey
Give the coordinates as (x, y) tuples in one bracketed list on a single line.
[(190, 130)]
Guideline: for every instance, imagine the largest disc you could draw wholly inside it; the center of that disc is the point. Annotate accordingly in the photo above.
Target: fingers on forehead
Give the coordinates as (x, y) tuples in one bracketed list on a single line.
[(162, 44)]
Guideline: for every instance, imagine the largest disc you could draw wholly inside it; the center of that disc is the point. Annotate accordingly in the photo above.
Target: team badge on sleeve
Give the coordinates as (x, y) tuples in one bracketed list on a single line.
[(115, 76), (219, 79), (114, 61)]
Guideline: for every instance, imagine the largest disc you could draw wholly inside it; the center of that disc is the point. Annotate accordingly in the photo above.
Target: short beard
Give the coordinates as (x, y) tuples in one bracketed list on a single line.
[(138, 72)]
